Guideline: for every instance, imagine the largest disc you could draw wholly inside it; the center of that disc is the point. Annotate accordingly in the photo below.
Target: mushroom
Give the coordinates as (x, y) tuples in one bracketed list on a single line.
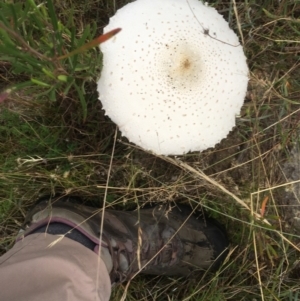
[(176, 76)]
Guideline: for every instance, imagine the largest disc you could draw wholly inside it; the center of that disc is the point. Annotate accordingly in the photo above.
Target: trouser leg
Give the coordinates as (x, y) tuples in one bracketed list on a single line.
[(48, 267)]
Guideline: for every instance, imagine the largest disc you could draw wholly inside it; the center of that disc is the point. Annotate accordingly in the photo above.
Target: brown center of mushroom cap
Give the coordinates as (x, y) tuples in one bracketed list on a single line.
[(186, 64), (182, 65)]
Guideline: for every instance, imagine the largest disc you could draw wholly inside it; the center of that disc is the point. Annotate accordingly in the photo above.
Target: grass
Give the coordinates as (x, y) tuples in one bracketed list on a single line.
[(56, 139)]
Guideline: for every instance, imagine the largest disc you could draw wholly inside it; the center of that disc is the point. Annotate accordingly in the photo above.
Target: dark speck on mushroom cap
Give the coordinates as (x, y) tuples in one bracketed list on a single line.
[(169, 87)]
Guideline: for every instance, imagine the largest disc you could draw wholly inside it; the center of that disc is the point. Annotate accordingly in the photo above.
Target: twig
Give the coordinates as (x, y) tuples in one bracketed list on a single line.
[(238, 22), (104, 203)]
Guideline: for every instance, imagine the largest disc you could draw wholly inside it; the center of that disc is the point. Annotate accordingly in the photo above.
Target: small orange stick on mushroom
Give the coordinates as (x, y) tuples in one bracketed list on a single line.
[(91, 44)]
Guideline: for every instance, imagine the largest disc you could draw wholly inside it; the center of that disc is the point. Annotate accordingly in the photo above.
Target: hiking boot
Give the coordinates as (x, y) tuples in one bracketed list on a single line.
[(163, 240)]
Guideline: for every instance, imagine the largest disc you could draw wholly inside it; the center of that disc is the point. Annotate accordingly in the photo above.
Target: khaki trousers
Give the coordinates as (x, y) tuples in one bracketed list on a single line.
[(45, 267)]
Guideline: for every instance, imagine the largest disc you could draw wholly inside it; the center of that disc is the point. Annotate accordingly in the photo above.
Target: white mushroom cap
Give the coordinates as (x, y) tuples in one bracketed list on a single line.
[(169, 86)]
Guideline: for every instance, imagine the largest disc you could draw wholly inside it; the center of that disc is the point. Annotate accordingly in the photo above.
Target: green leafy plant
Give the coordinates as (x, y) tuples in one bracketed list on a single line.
[(42, 59)]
